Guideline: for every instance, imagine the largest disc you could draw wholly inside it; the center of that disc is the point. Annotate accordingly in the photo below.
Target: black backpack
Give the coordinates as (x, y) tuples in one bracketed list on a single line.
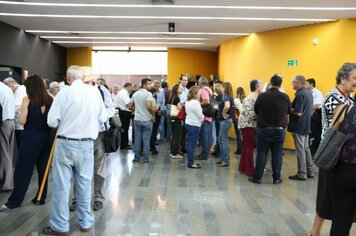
[(210, 109)]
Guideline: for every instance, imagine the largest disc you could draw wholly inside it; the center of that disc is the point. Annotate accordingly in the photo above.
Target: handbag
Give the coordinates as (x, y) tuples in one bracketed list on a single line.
[(112, 135), (181, 114), (327, 155), (174, 111)]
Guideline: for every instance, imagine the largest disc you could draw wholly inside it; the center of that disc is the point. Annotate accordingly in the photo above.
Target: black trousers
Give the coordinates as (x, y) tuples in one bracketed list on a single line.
[(344, 201), (154, 133), (125, 117), (183, 139), (176, 133), (315, 134)]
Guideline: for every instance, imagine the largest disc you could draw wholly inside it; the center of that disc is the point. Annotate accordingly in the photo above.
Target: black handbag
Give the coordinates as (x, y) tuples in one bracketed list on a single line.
[(112, 135), (328, 153)]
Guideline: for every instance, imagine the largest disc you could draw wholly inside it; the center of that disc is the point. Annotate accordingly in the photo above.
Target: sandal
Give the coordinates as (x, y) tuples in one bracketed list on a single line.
[(49, 231), (194, 166), (4, 208)]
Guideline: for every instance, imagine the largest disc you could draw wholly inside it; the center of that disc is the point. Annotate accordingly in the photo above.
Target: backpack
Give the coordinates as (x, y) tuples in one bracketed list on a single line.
[(210, 109)]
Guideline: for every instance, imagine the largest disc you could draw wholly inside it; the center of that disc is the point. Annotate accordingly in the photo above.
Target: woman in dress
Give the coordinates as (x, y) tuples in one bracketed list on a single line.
[(240, 96), (247, 124), (193, 122), (225, 120), (344, 204), (35, 146), (339, 95)]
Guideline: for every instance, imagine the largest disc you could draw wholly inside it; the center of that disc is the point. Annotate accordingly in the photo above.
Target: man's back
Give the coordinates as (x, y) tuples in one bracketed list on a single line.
[(139, 99), (7, 101), (272, 108), (79, 110)]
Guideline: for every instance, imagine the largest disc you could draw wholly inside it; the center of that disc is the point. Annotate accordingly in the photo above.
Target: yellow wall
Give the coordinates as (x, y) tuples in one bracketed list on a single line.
[(263, 54), (79, 56), (193, 62)]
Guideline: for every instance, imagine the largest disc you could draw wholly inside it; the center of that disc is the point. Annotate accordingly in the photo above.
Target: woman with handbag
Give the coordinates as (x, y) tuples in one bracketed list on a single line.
[(176, 123), (340, 95), (193, 122), (344, 197)]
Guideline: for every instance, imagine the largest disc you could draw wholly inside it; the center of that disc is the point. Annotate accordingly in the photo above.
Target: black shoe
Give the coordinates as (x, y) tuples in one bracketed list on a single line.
[(200, 157), (310, 176), (237, 153), (135, 161), (41, 202), (184, 150), (97, 205), (126, 148), (253, 180), (154, 152), (73, 206), (296, 177), (145, 162), (277, 181)]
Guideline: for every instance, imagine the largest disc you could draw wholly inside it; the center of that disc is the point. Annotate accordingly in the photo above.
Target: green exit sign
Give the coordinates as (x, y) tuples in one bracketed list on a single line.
[(292, 62)]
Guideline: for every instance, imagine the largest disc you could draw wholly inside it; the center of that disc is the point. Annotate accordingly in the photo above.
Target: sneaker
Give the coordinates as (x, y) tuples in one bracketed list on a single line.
[(178, 156), (135, 161), (296, 177), (73, 206), (200, 157), (97, 205), (145, 162)]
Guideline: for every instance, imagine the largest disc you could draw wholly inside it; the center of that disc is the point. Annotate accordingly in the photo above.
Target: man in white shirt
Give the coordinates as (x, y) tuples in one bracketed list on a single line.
[(77, 111), (315, 124), (144, 110), (115, 95), (7, 137), (20, 93), (53, 88), (99, 146), (184, 79), (125, 115)]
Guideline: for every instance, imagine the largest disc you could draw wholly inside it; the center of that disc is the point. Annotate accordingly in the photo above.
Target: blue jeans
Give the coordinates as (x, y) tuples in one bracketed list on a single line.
[(161, 127), (223, 140), (72, 158), (193, 135), (206, 138), (238, 137), (143, 130), (269, 139)]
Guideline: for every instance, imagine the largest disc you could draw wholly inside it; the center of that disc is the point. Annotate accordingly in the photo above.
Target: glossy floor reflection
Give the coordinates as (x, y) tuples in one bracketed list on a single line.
[(166, 198)]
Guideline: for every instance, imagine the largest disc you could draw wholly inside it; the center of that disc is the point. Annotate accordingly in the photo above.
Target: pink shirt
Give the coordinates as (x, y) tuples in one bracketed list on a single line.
[(205, 93)]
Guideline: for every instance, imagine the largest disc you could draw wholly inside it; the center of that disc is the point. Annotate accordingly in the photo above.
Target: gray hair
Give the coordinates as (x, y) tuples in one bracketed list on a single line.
[(203, 81), (53, 84), (300, 79), (344, 71), (9, 81), (75, 72)]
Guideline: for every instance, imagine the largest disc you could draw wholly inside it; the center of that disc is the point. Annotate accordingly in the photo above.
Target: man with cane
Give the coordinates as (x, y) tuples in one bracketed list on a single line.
[(77, 111)]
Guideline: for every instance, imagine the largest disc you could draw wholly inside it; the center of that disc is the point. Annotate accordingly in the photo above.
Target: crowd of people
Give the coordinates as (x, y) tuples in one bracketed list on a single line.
[(205, 112)]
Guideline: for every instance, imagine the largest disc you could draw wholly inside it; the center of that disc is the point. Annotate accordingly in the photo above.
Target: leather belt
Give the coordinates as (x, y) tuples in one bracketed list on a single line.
[(272, 128), (75, 139)]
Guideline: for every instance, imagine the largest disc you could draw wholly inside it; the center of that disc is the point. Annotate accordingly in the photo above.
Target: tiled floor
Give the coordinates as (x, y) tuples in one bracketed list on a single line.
[(166, 198)]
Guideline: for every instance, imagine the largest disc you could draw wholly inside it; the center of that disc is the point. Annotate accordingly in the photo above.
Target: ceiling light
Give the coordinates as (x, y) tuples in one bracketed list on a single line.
[(316, 8), (117, 42), (128, 32), (167, 17), (124, 38)]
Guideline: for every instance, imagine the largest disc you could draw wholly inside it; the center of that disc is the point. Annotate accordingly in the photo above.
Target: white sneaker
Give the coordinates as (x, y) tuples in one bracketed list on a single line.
[(176, 156)]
